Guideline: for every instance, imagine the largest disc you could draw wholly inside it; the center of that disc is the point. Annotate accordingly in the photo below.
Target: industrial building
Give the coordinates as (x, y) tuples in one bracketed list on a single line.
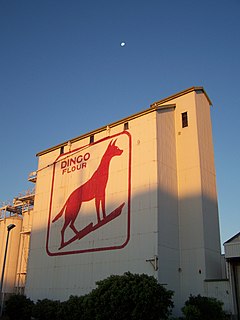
[(136, 195)]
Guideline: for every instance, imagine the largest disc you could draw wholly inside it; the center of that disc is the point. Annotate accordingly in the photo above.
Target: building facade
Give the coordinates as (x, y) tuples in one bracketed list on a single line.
[(137, 195), (232, 256)]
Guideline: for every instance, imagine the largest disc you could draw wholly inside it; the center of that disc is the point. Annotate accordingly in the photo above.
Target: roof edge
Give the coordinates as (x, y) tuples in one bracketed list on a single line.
[(153, 107), (181, 93), (111, 125), (232, 238)]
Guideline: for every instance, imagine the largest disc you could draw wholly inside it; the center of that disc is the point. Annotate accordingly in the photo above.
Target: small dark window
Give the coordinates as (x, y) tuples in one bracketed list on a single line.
[(126, 126), (62, 150), (91, 138), (184, 119)]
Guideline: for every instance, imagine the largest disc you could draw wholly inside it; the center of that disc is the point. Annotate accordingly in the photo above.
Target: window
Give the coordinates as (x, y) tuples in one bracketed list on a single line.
[(62, 150), (184, 119), (126, 126), (91, 138)]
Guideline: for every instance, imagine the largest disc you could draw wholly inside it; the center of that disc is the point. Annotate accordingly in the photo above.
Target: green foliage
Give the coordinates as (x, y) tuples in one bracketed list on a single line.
[(203, 308), (72, 309), (46, 309), (18, 307), (130, 296), (126, 297)]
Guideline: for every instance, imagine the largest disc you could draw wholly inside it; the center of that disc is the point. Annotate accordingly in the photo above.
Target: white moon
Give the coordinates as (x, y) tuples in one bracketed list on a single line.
[(122, 44)]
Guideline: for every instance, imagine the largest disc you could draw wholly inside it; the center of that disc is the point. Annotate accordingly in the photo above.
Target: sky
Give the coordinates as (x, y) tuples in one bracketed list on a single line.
[(63, 73)]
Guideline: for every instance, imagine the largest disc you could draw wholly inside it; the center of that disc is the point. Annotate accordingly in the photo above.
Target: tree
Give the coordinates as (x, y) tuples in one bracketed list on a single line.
[(199, 308), (19, 307), (130, 296), (72, 309), (46, 309)]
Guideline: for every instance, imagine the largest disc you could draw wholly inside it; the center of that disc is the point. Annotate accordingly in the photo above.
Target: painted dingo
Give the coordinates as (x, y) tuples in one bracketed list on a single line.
[(94, 188)]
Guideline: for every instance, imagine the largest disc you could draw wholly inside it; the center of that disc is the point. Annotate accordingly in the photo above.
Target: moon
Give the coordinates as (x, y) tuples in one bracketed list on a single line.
[(122, 44)]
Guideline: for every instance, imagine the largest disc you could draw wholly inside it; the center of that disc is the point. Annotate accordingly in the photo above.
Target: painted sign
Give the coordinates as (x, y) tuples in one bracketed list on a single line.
[(90, 198)]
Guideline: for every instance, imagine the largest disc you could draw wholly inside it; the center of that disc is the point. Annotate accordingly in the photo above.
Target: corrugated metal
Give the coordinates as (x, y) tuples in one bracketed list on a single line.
[(232, 250)]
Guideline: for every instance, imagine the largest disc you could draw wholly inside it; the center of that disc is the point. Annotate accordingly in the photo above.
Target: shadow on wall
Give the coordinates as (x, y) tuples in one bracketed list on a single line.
[(155, 229)]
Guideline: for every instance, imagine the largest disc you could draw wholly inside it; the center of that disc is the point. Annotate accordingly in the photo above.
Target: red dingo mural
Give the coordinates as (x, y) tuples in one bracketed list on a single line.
[(94, 188)]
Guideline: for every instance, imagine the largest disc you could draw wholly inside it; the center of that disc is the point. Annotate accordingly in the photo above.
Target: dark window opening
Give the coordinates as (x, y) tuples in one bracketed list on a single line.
[(184, 119), (92, 139), (126, 126), (62, 150)]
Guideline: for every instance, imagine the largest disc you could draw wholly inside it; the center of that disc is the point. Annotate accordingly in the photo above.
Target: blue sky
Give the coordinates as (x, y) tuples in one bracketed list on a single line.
[(63, 73)]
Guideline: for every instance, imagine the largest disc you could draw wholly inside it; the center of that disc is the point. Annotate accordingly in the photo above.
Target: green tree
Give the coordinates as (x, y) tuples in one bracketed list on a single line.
[(130, 296), (203, 308), (19, 307), (72, 309), (46, 309)]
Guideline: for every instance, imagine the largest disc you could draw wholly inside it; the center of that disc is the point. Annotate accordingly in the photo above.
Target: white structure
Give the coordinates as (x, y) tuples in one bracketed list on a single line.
[(11, 259), (232, 255), (14, 245), (138, 195)]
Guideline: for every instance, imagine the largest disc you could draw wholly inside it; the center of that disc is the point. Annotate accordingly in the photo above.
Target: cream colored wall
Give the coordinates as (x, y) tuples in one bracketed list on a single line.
[(12, 252), (173, 209), (39, 276), (191, 227), (209, 193), (57, 277), (198, 215), (168, 225)]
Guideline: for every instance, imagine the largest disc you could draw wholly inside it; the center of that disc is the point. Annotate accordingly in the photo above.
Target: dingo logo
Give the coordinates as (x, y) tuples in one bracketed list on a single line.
[(94, 200), (94, 188)]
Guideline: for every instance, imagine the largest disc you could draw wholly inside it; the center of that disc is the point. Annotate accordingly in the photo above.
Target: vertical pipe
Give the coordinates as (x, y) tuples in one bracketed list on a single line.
[(9, 228), (3, 270)]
